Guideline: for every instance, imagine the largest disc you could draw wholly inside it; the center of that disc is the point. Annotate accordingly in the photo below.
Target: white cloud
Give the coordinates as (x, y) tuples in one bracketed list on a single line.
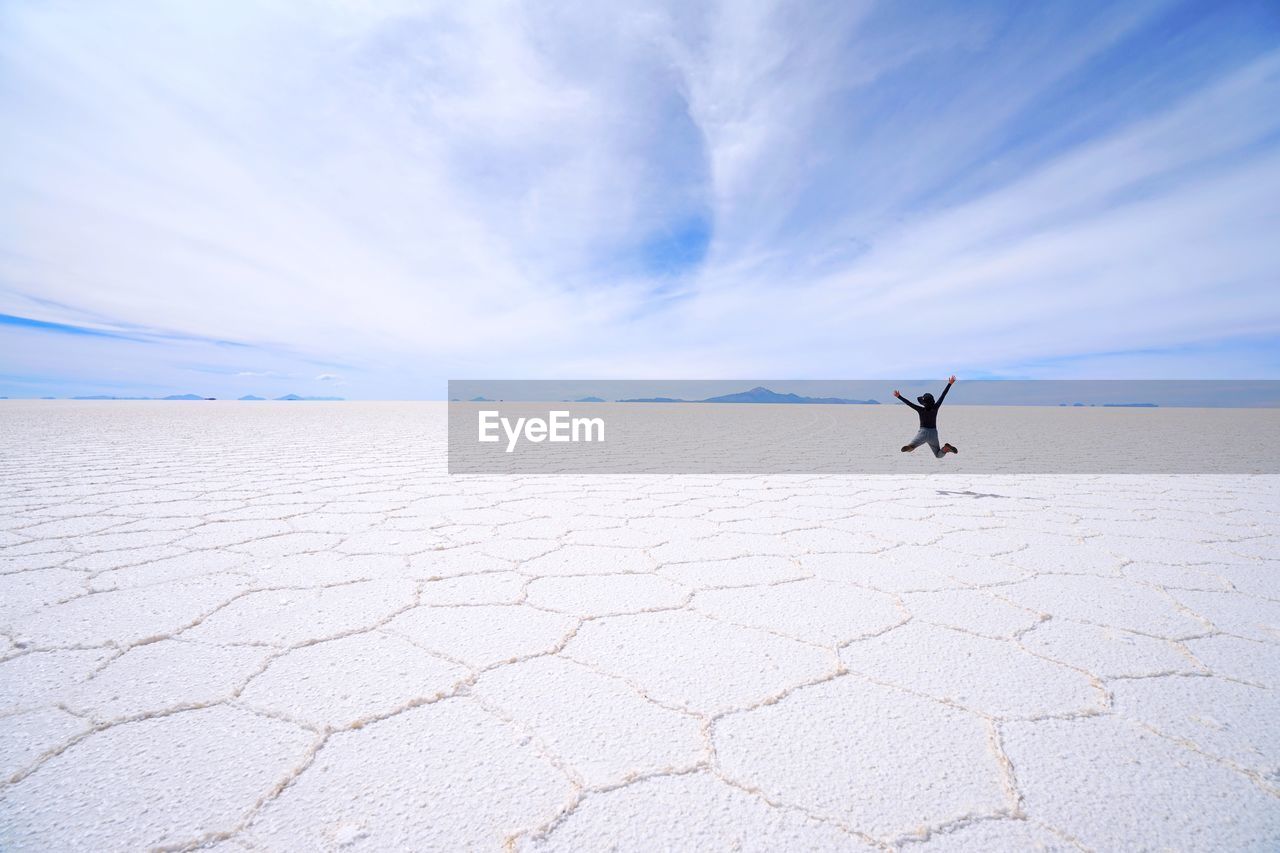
[(412, 191)]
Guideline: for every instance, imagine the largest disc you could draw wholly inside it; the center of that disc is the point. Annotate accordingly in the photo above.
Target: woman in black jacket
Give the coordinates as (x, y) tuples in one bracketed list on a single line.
[(928, 412)]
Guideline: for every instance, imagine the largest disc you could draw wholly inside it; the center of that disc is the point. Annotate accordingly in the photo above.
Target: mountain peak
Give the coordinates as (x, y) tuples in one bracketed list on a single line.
[(761, 394)]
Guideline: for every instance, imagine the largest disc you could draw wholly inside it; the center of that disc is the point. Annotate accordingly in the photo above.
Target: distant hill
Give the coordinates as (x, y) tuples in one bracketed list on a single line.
[(198, 397), (481, 400), (109, 397), (170, 397), (588, 400), (655, 400), (1114, 405), (760, 394)]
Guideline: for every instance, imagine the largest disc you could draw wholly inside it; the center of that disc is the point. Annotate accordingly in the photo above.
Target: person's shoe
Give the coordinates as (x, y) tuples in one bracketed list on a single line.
[(949, 448), (906, 448)]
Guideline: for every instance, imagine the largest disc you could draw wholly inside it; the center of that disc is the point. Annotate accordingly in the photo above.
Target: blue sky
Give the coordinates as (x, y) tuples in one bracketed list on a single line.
[(365, 199)]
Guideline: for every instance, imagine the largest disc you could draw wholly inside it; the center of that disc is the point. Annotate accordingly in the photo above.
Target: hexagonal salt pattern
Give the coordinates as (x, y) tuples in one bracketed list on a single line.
[(339, 683), (687, 811), (955, 667), (1111, 783), (603, 731), (156, 781), (695, 662), (484, 635), (866, 756), (289, 628), (812, 611), (28, 735), (442, 776), (164, 675)]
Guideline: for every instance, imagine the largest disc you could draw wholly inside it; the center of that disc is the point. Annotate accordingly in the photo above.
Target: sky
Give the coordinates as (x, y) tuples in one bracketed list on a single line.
[(366, 199)]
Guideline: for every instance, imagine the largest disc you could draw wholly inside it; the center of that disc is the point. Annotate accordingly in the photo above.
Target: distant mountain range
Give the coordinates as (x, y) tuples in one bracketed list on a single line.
[(310, 399), (657, 400), (170, 397), (1114, 405), (760, 394), (197, 397)]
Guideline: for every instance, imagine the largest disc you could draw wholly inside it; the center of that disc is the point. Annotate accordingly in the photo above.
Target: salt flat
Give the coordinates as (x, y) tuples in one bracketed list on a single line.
[(272, 626)]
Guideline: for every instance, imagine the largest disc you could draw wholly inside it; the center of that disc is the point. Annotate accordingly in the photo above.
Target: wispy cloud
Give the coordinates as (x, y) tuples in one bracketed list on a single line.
[(420, 191), (61, 328)]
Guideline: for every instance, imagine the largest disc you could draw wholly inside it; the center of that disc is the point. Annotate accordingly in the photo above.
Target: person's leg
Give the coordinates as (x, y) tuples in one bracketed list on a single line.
[(931, 435), (920, 439)]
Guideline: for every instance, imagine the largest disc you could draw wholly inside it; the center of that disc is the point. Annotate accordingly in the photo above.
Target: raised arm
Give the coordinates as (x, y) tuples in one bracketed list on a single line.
[(943, 396), (905, 400)]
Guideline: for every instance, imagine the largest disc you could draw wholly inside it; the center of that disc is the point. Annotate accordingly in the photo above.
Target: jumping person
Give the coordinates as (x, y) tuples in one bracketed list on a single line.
[(928, 411)]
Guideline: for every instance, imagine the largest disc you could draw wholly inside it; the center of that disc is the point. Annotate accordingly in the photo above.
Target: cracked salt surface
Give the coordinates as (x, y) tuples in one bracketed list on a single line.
[(280, 628)]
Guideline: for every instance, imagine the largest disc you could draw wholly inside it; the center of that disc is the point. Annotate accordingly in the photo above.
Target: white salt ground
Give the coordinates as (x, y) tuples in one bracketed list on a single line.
[(285, 627)]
